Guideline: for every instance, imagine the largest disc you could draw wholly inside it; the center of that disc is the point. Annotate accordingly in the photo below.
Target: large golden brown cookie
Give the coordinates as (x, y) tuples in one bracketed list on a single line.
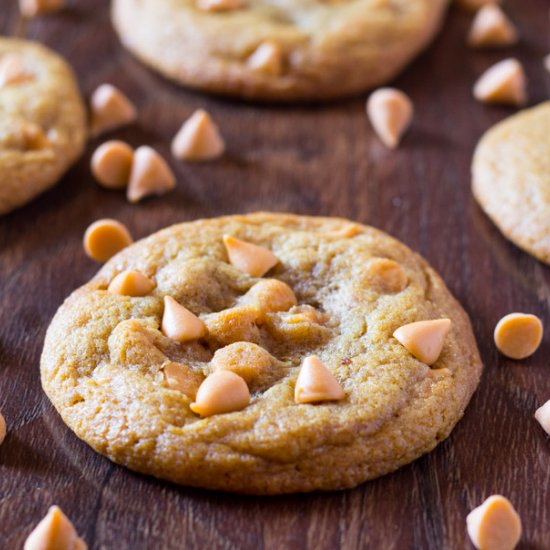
[(511, 179), (104, 357), (278, 50), (42, 121)]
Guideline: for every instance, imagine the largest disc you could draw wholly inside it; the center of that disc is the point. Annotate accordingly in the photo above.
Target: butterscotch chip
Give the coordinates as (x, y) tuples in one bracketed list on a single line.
[(249, 258), (267, 59), (199, 139), (34, 137), (179, 323), (474, 5), (518, 335), (270, 295), (390, 112), (12, 70), (504, 82), (111, 164), (223, 391), (494, 525), (219, 5), (491, 28), (546, 62), (131, 283), (110, 109), (3, 429), (104, 238), (301, 325), (424, 339), (316, 383), (542, 415), (182, 378), (236, 324), (388, 274), (150, 175), (32, 8), (55, 532), (246, 359)]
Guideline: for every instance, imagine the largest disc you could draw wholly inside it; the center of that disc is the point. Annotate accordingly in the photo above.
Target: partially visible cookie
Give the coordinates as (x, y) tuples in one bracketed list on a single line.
[(42, 121), (293, 378), (284, 50), (511, 179)]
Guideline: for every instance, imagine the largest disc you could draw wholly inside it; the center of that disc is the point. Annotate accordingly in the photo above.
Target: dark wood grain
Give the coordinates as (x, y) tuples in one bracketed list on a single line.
[(308, 159)]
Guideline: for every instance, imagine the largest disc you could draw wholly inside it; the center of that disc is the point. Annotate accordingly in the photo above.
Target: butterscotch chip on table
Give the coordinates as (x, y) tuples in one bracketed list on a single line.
[(492, 28), (475, 5), (150, 175), (278, 51), (33, 8), (494, 525), (504, 83), (266, 419), (42, 122), (110, 109), (518, 335), (104, 238), (3, 429), (111, 164), (511, 177), (390, 112), (199, 139), (542, 416), (55, 532)]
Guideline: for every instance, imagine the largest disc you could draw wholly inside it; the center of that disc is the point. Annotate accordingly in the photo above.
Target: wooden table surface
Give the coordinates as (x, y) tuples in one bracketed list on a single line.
[(312, 160)]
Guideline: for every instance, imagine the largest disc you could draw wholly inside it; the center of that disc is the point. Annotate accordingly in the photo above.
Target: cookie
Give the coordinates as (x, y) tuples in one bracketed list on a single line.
[(42, 121), (278, 51), (511, 179), (127, 380)]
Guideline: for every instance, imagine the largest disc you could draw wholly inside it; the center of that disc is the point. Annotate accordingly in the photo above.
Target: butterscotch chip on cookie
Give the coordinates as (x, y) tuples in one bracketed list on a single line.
[(278, 51), (300, 384), (511, 178), (504, 83), (42, 121)]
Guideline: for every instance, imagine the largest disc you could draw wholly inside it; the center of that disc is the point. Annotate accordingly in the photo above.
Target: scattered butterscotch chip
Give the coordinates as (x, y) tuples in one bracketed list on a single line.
[(111, 164), (249, 258), (12, 70), (150, 175), (55, 532), (104, 238), (491, 28), (474, 5), (246, 359), (199, 139), (179, 323), (316, 383), (542, 415), (267, 59), (503, 83), (270, 295), (34, 137), (546, 62), (235, 324), (182, 378), (494, 525), (424, 339), (131, 283), (223, 391), (33, 8), (390, 112), (219, 5), (110, 109), (2, 429), (518, 335), (388, 274)]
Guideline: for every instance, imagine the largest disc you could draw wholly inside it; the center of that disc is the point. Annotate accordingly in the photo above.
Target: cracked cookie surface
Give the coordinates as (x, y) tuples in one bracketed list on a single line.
[(42, 121), (104, 355), (511, 179), (279, 50)]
